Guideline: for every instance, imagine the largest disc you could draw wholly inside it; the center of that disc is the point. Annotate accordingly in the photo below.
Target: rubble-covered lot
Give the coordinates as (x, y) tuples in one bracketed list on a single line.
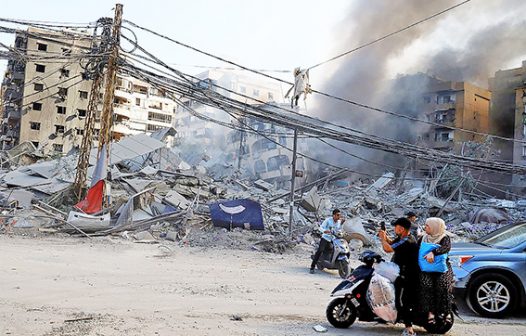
[(157, 196), (110, 286)]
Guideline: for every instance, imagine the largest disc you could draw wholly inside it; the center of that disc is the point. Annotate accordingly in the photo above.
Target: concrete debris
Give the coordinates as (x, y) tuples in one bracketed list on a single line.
[(319, 328), (263, 185), (311, 201), (156, 196)]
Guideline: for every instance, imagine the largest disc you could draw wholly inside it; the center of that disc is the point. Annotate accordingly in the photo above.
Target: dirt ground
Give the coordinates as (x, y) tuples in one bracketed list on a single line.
[(108, 286)]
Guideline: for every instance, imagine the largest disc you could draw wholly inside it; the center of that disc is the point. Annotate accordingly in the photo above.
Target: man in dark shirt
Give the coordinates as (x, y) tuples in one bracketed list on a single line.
[(405, 250)]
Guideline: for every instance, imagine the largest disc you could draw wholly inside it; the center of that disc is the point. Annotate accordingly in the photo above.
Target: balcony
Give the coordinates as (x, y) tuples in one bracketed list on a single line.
[(124, 110), (445, 106), (123, 93)]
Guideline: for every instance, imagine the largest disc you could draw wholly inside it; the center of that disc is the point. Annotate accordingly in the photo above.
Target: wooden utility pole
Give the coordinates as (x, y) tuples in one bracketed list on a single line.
[(292, 181), (87, 139), (111, 77), (107, 112)]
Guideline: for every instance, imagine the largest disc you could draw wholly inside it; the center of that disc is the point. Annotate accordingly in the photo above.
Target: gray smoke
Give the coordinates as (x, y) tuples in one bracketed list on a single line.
[(363, 75)]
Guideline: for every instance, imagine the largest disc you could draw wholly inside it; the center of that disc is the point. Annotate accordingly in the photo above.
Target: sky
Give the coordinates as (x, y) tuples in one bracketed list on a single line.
[(275, 34)]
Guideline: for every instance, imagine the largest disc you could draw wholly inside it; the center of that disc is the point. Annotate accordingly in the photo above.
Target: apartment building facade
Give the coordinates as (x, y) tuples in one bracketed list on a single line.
[(251, 89), (508, 117), (46, 102), (140, 108), (266, 153), (455, 104)]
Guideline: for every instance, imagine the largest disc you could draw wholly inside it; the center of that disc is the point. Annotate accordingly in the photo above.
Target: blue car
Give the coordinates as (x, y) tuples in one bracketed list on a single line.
[(491, 272)]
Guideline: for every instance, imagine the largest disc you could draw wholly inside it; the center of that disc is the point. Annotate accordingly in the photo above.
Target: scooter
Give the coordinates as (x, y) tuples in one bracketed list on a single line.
[(337, 257), (349, 301)]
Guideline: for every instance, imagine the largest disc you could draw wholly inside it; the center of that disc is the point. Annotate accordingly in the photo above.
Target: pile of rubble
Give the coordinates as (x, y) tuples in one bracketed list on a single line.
[(170, 201)]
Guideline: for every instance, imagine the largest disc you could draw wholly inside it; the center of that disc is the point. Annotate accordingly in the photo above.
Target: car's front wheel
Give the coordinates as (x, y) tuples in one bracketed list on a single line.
[(492, 295)]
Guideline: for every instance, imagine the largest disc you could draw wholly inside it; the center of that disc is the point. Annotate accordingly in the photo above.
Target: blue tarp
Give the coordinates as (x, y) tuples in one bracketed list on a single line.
[(241, 213)]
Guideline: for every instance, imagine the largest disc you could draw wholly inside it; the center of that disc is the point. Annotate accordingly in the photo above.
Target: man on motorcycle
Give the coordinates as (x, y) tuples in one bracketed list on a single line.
[(405, 250), (329, 225)]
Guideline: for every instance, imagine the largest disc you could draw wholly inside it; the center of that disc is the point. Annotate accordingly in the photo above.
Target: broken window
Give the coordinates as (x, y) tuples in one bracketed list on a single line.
[(444, 99), (275, 162), (40, 68), (64, 72), (138, 101), (66, 51), (42, 46), (80, 131), (35, 143), (427, 99), (153, 128), (63, 92), (259, 167), (61, 109), (83, 94), (37, 106), (270, 96), (58, 147), (262, 145), (34, 126), (81, 113), (38, 87), (160, 117), (59, 129)]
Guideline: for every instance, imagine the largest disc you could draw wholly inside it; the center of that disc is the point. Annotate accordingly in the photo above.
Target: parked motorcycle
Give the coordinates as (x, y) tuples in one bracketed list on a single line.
[(337, 257), (349, 301)]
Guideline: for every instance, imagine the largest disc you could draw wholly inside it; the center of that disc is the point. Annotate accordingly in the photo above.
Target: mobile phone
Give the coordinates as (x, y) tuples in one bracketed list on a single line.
[(382, 226)]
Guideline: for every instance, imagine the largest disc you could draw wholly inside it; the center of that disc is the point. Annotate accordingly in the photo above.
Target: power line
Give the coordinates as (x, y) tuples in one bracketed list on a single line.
[(390, 34), (369, 141), (348, 101), (387, 145)]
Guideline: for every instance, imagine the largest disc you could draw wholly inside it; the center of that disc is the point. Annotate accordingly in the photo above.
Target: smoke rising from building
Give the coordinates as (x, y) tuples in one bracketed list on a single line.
[(365, 76)]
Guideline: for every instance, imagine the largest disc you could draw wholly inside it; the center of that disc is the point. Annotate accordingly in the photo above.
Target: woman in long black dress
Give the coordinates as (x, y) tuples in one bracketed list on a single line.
[(436, 288)]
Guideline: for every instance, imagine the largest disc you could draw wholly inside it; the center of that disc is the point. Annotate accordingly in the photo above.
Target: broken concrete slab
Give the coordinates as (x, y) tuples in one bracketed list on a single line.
[(311, 200), (380, 183), (263, 185), (144, 236), (177, 200)]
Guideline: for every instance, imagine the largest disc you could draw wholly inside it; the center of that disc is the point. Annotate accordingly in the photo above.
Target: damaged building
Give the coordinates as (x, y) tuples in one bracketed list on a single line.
[(508, 119), (45, 103), (459, 105)]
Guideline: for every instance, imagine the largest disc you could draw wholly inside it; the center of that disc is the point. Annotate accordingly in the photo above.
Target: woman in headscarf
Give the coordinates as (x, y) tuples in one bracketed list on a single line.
[(436, 288)]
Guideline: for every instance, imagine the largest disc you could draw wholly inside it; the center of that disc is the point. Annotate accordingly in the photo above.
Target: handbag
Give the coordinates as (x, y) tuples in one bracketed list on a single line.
[(437, 266)]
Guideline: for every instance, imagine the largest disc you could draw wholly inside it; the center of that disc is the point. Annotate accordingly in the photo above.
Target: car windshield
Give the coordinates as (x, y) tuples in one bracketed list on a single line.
[(506, 237)]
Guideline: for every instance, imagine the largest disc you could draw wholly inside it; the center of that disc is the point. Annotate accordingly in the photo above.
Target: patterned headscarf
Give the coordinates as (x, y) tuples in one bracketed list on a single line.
[(438, 230)]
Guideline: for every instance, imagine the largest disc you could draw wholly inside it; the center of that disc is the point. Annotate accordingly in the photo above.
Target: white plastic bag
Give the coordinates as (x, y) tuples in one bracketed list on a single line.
[(381, 298), (387, 269)]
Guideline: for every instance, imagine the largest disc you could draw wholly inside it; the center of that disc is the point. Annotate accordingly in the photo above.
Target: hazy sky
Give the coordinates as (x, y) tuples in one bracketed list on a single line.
[(276, 34)]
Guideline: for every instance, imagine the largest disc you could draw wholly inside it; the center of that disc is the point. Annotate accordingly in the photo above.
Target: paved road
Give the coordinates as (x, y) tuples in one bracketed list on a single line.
[(107, 286)]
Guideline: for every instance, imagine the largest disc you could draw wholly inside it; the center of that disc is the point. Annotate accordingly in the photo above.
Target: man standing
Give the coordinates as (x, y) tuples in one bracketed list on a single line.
[(415, 228), (405, 250), (329, 225)]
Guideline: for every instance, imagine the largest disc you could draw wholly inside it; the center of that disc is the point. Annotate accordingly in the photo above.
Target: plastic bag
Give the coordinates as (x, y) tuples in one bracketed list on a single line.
[(388, 269), (381, 298), (439, 265)]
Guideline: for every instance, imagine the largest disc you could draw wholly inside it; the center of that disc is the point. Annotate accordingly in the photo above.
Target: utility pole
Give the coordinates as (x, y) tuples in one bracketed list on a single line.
[(242, 142), (111, 78), (292, 181), (106, 118)]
